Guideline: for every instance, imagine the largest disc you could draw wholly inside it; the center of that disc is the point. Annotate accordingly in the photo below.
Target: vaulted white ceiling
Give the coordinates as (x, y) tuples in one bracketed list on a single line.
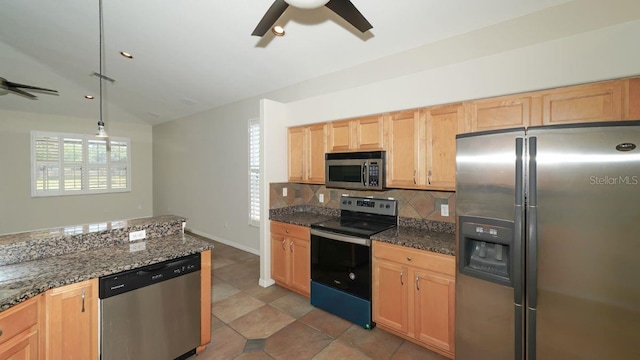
[(194, 55)]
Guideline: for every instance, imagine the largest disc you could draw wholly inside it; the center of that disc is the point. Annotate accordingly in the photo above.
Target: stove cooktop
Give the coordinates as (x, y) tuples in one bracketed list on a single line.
[(354, 227)]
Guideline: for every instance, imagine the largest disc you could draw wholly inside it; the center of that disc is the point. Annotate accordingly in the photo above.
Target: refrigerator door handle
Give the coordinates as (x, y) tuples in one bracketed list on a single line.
[(518, 250), (532, 249)]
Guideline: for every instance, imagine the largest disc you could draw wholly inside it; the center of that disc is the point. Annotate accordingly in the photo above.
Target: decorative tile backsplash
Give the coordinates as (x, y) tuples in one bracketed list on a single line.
[(416, 204)]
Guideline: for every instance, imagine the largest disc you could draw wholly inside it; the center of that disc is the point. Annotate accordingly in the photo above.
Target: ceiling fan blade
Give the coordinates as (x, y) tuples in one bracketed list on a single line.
[(23, 86), (270, 17), (23, 93), (346, 10)]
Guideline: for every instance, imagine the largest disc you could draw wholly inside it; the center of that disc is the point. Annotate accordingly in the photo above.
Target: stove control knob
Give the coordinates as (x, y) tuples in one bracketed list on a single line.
[(388, 206), (344, 202), (352, 276)]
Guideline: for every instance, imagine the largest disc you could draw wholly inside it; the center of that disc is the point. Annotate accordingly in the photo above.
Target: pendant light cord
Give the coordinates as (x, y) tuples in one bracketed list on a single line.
[(100, 15)]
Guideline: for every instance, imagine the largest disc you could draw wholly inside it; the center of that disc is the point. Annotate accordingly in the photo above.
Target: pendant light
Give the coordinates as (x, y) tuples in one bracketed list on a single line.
[(101, 132)]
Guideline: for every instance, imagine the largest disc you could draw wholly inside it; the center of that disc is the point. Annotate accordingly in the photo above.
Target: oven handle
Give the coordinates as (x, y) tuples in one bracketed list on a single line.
[(340, 237)]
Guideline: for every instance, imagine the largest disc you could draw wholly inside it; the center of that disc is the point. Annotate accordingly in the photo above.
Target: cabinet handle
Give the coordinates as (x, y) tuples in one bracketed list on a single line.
[(286, 231), (429, 177), (283, 242), (83, 292), (408, 258), (0, 332), (414, 177), (291, 246), (401, 273), (418, 282)]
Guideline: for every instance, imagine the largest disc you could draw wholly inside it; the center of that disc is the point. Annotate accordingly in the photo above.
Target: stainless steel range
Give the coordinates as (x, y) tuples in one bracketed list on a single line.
[(341, 257)]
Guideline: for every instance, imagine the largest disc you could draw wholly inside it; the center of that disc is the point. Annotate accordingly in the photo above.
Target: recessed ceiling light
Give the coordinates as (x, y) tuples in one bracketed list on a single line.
[(277, 30), (90, 97), (126, 54)]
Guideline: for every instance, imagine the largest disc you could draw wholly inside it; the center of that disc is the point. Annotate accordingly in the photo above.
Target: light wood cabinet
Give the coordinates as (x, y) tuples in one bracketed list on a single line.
[(307, 146), (71, 321), (500, 113), (205, 300), (20, 332), (291, 257), (442, 124), (365, 133), (414, 295), (403, 150)]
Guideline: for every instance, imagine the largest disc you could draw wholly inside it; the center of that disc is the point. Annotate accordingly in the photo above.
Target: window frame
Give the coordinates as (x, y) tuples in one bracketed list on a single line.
[(254, 218), (85, 165)]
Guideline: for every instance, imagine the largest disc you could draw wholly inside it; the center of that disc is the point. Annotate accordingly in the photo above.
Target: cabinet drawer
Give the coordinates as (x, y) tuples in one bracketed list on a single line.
[(426, 260), (18, 318), (288, 230)]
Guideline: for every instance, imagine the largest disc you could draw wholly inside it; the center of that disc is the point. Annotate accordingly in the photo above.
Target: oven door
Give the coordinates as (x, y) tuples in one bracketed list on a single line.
[(341, 262)]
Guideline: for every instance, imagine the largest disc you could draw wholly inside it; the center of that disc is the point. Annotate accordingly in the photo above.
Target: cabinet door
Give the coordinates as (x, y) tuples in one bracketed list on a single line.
[(434, 297), (500, 113), (300, 255), (442, 126), (279, 261), (390, 295), (340, 136), (403, 152), (583, 103), (296, 145), (72, 321), (316, 147), (23, 346), (369, 133)]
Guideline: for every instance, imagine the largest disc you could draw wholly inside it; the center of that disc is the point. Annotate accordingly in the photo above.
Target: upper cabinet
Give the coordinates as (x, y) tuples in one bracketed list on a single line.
[(365, 133), (421, 147), (499, 113), (307, 146)]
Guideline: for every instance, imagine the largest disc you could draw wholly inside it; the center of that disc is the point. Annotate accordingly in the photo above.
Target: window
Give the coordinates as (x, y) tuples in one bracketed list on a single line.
[(67, 164), (254, 172)]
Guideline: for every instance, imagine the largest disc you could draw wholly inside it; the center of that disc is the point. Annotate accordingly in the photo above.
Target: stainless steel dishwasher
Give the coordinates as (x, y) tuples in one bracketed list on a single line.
[(151, 312)]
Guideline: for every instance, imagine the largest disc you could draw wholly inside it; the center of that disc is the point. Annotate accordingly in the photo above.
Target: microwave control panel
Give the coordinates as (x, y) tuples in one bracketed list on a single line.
[(374, 174)]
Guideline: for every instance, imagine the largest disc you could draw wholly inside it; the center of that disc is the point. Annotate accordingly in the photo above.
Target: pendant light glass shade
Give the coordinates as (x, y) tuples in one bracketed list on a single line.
[(307, 4)]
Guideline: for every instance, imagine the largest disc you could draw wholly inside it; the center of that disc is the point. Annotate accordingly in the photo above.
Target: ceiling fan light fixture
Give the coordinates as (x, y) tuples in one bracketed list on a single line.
[(307, 4), (126, 54), (277, 30), (102, 133)]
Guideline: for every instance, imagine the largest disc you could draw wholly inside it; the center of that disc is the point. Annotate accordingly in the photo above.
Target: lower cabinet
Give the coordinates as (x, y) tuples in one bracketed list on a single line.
[(71, 321), (20, 332), (291, 256), (414, 295)]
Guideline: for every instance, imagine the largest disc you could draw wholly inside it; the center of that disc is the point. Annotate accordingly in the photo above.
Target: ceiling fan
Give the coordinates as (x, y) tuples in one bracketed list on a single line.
[(17, 88), (343, 8)]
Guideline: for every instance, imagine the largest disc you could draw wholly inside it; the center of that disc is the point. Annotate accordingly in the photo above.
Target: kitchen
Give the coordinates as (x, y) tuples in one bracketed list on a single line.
[(167, 151)]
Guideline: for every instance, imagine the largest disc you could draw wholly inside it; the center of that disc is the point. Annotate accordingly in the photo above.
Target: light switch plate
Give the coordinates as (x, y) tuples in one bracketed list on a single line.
[(284, 191), (444, 210), (321, 198), (137, 235)]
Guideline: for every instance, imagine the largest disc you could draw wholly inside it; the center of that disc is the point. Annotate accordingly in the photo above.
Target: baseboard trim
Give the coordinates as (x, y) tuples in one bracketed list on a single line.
[(266, 283)]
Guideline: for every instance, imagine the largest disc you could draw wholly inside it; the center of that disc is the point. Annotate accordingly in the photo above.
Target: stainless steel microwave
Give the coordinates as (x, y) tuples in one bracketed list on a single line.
[(364, 170)]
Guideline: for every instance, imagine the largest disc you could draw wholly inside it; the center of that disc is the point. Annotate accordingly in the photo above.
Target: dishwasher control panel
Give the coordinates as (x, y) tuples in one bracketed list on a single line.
[(129, 280)]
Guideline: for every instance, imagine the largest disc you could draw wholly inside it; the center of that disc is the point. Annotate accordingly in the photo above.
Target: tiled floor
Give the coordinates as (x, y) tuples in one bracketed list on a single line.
[(251, 322)]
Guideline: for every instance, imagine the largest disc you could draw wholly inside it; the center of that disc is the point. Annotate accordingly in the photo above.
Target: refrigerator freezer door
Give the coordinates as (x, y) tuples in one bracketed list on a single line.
[(588, 244), (486, 189)]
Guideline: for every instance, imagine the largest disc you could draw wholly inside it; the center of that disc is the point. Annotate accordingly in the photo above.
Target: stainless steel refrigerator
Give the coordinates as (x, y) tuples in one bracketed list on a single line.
[(548, 243)]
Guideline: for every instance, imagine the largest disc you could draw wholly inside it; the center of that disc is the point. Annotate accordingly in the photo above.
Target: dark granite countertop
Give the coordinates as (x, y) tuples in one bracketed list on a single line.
[(301, 218), (419, 238), (21, 281)]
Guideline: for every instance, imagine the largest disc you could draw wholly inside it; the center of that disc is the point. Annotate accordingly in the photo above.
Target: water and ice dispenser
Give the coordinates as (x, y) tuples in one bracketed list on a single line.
[(486, 249)]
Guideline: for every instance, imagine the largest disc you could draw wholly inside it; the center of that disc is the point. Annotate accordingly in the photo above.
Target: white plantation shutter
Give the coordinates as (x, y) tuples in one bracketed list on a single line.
[(66, 164), (254, 172)]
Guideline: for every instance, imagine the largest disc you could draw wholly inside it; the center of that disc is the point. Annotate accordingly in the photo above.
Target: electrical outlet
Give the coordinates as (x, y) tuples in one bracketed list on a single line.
[(137, 235), (321, 198), (284, 191), (139, 246), (444, 210)]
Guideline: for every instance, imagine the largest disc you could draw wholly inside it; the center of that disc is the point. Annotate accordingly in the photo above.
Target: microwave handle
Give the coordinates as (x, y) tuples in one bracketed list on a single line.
[(365, 174)]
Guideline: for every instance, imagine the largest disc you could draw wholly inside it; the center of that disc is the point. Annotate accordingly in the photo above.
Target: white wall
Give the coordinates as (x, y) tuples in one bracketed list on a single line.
[(20, 212)]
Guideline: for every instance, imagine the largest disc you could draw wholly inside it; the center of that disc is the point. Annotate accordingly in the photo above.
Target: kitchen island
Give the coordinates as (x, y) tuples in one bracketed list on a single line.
[(37, 266)]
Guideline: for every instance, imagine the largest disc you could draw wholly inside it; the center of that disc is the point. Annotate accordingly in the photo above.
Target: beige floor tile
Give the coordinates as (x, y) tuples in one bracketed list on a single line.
[(293, 304), (221, 291), (219, 262), (216, 323), (376, 344), (337, 350), (225, 344), (296, 342), (235, 306), (253, 356), (410, 351), (327, 323), (268, 294), (261, 323)]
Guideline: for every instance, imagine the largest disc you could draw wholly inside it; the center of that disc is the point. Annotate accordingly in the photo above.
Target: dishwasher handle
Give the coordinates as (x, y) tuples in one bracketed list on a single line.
[(162, 266)]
